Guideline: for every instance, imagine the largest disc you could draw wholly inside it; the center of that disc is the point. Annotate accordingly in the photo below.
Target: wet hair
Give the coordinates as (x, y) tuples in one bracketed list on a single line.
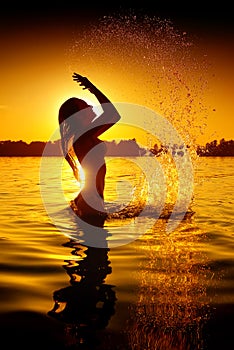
[(67, 132)]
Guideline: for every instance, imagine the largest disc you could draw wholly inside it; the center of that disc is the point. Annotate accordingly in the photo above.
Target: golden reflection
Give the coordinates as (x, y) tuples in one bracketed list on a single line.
[(173, 305), (171, 177), (81, 175), (134, 182), (87, 304)]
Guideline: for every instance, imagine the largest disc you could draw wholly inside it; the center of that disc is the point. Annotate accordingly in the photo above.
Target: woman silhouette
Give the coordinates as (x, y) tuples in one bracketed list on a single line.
[(80, 128)]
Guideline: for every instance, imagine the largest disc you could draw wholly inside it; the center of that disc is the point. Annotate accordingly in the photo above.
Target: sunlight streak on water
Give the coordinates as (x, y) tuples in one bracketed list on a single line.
[(168, 288), (173, 304)]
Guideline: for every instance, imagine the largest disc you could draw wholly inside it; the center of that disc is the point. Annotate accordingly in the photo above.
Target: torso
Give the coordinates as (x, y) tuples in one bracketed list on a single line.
[(90, 152), (84, 145)]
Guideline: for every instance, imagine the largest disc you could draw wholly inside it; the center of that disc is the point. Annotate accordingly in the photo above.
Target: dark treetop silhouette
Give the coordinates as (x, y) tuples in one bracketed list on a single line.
[(80, 128), (126, 148)]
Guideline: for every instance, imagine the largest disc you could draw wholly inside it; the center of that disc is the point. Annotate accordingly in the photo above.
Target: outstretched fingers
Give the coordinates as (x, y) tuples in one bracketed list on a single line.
[(83, 81)]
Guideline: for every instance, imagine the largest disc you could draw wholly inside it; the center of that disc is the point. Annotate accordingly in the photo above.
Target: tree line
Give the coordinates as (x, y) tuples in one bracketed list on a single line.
[(211, 149), (122, 148), (217, 149), (36, 148)]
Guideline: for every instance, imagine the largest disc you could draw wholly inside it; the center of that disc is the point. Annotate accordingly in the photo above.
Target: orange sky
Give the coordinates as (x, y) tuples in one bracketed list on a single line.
[(39, 55)]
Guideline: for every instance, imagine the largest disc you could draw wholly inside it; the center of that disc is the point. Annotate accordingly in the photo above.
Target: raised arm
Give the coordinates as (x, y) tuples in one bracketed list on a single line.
[(110, 115)]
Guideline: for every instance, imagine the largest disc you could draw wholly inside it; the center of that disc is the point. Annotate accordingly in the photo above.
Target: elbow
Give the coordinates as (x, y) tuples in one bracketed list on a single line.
[(116, 117)]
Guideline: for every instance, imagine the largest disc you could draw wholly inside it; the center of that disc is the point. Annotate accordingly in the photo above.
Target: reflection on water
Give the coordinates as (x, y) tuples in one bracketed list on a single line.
[(160, 291), (173, 305), (86, 306)]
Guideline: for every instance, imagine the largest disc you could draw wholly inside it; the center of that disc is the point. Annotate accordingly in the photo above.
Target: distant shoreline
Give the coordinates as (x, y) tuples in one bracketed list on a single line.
[(123, 148)]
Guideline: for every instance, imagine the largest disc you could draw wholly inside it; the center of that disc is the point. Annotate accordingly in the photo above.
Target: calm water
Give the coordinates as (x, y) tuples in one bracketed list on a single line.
[(160, 291)]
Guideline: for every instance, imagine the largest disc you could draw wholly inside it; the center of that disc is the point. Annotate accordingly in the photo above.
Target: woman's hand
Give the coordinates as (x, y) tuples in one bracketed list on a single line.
[(84, 82)]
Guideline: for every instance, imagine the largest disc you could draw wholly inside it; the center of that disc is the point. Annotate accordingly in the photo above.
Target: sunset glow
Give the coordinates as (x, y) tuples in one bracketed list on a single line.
[(38, 62)]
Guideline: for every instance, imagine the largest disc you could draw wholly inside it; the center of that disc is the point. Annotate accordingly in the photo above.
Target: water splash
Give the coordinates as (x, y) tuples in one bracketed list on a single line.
[(148, 61), (173, 304)]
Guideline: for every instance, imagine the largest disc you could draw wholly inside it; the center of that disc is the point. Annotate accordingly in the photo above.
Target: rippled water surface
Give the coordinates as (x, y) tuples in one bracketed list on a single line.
[(159, 291)]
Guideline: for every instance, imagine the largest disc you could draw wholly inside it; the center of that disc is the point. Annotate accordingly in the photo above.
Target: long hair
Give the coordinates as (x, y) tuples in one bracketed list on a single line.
[(68, 129)]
